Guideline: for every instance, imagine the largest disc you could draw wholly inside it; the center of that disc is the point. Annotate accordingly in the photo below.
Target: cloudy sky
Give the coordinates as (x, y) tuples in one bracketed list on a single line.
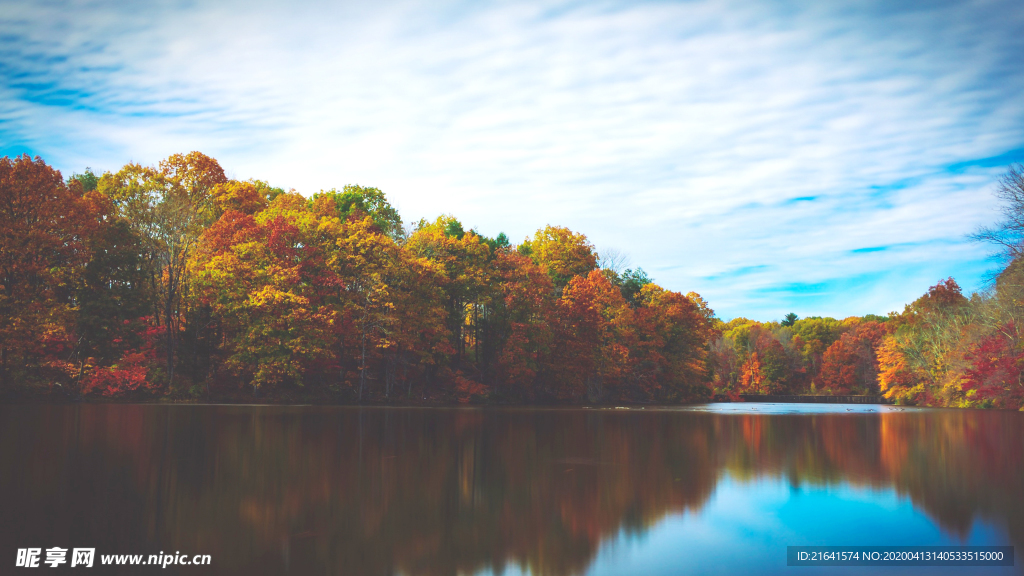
[(825, 158)]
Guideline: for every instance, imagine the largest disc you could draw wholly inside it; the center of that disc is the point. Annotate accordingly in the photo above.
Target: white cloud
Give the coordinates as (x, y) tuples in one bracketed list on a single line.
[(678, 133)]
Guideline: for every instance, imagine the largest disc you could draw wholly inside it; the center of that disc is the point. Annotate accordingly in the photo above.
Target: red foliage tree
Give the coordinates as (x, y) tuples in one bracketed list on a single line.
[(850, 364), (996, 370), (44, 227)]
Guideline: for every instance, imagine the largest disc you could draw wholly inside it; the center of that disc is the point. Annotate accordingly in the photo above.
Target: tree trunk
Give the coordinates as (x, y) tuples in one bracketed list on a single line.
[(362, 365), (168, 312)]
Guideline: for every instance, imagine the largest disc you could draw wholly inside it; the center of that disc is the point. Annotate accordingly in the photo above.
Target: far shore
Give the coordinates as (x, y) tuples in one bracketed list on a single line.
[(241, 400)]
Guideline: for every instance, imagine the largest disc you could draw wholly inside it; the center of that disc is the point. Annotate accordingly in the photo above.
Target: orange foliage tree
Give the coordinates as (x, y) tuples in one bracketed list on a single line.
[(264, 277), (45, 227), (850, 364)]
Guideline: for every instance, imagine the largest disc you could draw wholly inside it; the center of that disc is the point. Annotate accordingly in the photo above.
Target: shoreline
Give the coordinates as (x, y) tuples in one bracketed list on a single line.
[(467, 406)]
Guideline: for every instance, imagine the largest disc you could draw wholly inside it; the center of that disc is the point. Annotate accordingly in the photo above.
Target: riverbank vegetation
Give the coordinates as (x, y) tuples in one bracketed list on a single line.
[(944, 349), (176, 282)]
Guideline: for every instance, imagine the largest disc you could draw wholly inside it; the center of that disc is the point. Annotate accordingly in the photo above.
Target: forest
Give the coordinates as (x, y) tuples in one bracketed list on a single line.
[(174, 282)]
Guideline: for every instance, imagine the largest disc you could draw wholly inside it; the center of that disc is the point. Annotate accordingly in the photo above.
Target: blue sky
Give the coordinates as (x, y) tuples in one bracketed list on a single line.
[(826, 158)]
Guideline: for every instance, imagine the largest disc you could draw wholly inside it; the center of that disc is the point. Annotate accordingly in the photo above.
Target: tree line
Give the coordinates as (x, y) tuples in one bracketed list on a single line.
[(176, 281), (943, 349)]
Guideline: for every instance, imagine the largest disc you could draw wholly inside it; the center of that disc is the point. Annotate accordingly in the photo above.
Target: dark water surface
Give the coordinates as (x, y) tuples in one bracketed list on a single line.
[(717, 489)]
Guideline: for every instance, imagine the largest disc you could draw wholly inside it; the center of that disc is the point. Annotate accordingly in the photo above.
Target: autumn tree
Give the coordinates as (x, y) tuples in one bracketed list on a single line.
[(246, 197), (562, 252), (752, 378), (112, 291), (768, 364), (671, 345), (816, 334), (944, 298), (369, 201), (520, 323), (169, 206), (917, 361), (265, 276), (462, 259), (850, 363), (593, 333), (367, 263), (901, 376), (45, 225), (416, 341)]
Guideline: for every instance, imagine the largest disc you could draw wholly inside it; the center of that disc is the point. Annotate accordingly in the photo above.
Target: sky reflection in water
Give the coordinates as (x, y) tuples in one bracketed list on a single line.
[(720, 488), (745, 524)]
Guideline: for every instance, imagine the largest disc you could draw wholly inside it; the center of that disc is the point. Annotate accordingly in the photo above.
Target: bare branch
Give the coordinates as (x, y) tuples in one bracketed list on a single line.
[(1008, 234), (613, 259)]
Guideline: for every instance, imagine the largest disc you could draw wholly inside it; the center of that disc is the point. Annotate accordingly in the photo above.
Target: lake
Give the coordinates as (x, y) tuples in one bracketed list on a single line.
[(712, 489)]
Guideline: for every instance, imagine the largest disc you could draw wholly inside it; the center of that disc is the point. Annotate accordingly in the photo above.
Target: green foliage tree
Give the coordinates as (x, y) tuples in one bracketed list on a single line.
[(371, 201), (87, 180), (631, 283)]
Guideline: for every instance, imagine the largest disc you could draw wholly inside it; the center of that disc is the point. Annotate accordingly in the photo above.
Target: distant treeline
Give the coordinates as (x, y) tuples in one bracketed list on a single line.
[(944, 349), (174, 281)]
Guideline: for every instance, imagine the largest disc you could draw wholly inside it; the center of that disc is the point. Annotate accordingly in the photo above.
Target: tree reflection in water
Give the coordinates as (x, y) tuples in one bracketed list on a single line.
[(443, 491)]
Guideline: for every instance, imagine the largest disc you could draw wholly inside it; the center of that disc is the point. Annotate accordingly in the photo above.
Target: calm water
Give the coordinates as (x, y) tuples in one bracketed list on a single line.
[(323, 490)]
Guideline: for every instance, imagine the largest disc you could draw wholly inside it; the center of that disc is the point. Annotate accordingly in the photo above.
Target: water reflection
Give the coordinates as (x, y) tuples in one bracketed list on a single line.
[(269, 490)]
